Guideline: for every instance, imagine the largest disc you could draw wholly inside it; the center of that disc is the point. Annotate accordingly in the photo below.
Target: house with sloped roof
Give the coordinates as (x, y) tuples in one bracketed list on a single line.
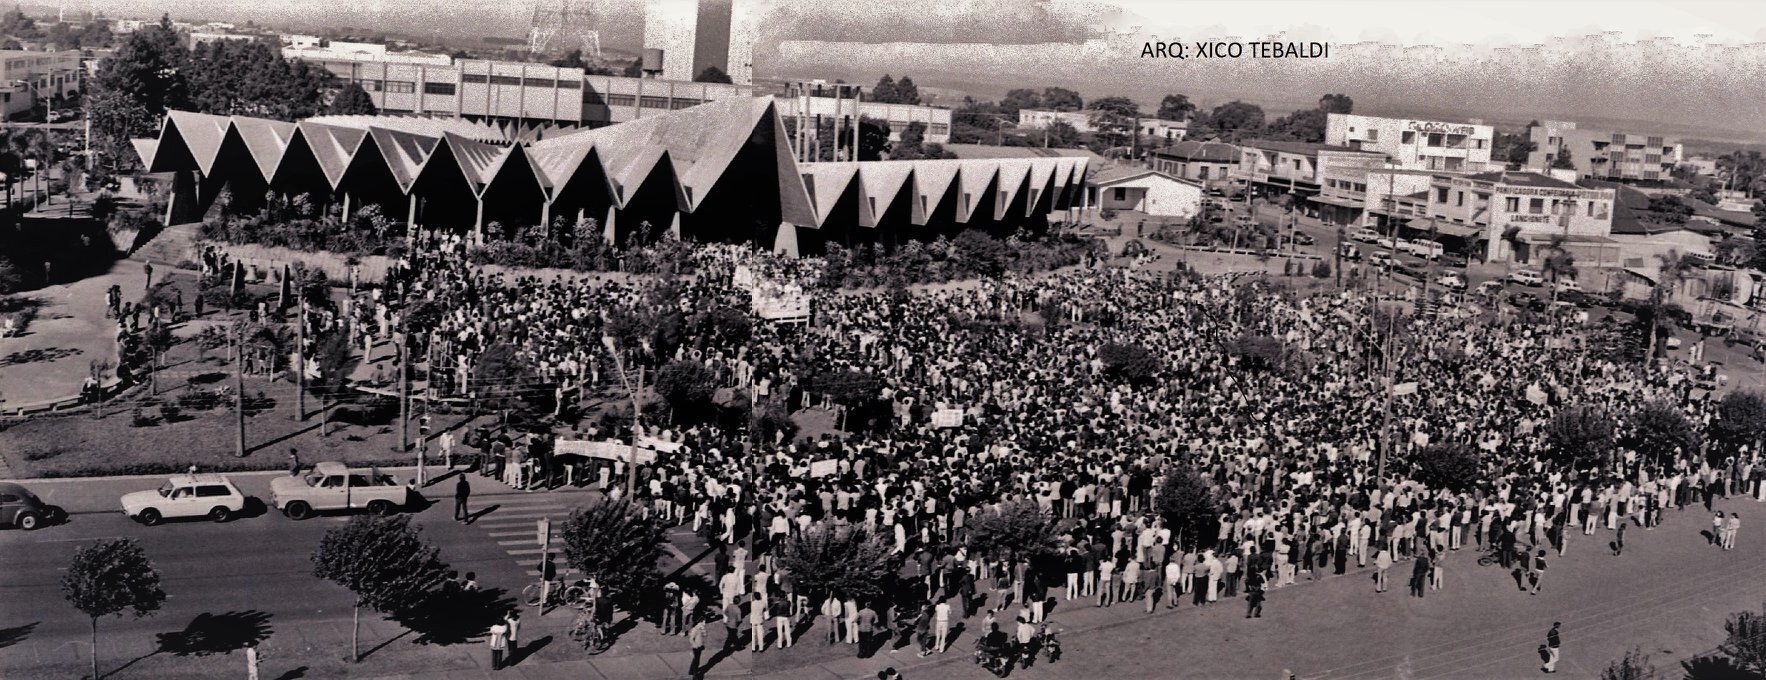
[(1142, 190)]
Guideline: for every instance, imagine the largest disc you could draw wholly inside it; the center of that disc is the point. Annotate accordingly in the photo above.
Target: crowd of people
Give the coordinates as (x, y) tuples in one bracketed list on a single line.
[(1286, 449)]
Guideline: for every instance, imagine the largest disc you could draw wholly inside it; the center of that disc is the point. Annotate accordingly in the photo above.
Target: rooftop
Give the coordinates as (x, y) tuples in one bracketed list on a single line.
[(1302, 148), (967, 151), (1531, 179), (1217, 152)]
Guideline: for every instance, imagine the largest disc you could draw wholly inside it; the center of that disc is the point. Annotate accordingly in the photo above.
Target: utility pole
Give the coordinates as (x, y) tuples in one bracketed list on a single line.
[(300, 360), (404, 359), (631, 464), (239, 390)]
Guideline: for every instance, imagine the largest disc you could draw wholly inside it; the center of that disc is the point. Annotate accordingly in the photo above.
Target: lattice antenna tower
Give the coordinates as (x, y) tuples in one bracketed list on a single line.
[(553, 19)]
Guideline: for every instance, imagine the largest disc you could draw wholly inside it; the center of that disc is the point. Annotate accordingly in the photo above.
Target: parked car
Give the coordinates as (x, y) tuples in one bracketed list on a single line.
[(23, 509), (1428, 250), (333, 486), (1527, 277), (1455, 260), (1452, 281), (1364, 235), (1578, 298), (1381, 258), (1387, 242), (1526, 300), (1303, 238), (185, 496), (1566, 284), (1490, 288)]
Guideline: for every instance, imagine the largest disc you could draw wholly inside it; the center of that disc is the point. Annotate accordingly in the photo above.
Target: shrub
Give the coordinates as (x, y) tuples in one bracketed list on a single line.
[(170, 412), (1455, 467), (1321, 269), (139, 418), (199, 400)]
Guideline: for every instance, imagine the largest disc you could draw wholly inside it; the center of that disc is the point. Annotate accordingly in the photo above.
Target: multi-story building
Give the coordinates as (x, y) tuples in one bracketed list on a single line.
[(28, 76), (1271, 167), (1519, 214), (694, 35), (415, 83), (1415, 144), (1606, 155)]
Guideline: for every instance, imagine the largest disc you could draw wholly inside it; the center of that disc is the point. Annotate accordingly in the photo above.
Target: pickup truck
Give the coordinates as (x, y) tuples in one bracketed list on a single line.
[(332, 486)]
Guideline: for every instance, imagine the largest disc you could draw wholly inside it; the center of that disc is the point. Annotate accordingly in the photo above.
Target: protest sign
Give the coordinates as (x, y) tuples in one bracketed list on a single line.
[(949, 417)]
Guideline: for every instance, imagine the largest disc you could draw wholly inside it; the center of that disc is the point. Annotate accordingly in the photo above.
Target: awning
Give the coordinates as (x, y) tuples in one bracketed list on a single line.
[(1340, 202)]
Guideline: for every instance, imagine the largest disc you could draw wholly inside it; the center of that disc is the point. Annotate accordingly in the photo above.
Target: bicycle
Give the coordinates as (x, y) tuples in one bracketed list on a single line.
[(558, 595), (589, 632)]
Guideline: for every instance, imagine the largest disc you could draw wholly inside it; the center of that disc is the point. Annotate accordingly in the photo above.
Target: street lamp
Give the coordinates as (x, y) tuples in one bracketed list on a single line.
[(631, 464)]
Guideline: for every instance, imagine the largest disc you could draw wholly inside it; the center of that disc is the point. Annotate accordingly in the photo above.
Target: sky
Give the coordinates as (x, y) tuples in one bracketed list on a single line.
[(1693, 62)]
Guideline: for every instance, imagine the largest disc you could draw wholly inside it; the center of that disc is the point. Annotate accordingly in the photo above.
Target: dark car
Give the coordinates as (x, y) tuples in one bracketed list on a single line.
[(1525, 300), (23, 509), (1455, 260), (1578, 298)]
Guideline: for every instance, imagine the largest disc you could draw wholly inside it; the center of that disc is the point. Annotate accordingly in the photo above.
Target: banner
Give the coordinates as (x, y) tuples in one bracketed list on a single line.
[(824, 468), (1535, 394), (1403, 389), (602, 450), (744, 277), (949, 417)]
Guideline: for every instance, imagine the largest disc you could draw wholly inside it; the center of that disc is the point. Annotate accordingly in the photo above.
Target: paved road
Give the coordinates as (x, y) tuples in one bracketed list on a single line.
[(255, 571)]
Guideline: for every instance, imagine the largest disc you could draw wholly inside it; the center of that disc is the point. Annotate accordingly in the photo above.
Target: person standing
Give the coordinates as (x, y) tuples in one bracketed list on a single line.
[(462, 491), (499, 644), (831, 612), (293, 462), (251, 660), (782, 620), (1538, 571), (1382, 563), (513, 622), (147, 267), (1731, 527), (1254, 595), (732, 625), (696, 639), (1553, 647), (1716, 525), (865, 624), (1419, 575), (1619, 542), (941, 624), (757, 611)]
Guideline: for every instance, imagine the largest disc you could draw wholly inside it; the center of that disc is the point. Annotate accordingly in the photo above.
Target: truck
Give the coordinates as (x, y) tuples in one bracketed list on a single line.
[(334, 486)]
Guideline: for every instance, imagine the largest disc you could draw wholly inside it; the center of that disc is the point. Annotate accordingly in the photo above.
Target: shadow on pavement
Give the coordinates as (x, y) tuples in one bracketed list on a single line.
[(293, 674), (16, 634), (449, 617), (527, 650), (217, 634)]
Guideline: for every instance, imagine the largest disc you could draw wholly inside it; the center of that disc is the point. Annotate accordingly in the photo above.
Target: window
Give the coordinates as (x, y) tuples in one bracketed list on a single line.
[(1435, 138), (8, 498), (400, 87), (621, 99), (1478, 143), (505, 80), (1121, 194), (1409, 137), (438, 88), (1536, 206), (1591, 208), (940, 129), (682, 103), (1440, 194), (570, 84), (650, 102), (1296, 164), (1360, 187), (472, 78), (373, 85), (1373, 135), (211, 491), (1204, 173), (1459, 198)]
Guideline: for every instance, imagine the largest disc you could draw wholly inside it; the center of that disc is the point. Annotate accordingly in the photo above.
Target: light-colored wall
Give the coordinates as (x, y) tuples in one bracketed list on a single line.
[(1465, 145), (1153, 195)]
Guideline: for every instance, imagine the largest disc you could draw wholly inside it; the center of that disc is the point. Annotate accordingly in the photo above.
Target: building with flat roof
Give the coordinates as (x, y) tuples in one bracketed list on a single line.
[(717, 172), (1042, 119), (1602, 154), (1415, 144), (27, 76), (1270, 168), (1518, 214)]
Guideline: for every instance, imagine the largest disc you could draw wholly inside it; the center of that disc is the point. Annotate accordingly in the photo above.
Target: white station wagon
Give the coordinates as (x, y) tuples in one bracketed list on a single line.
[(186, 496)]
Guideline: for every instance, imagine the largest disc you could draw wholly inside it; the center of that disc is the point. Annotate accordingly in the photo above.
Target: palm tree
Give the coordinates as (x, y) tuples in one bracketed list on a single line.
[(1558, 263), (1674, 268), (1512, 236)]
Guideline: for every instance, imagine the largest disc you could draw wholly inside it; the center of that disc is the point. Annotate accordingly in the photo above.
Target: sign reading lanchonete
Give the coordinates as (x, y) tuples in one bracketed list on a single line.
[(1221, 49)]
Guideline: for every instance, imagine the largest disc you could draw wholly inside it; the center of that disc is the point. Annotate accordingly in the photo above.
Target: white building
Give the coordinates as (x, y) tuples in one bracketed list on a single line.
[(302, 41), (1142, 190), (1611, 155), (1415, 144), (1040, 119), (694, 35), (26, 76)]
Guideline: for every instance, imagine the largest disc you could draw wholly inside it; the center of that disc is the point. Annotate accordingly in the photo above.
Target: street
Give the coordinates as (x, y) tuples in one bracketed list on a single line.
[(251, 579)]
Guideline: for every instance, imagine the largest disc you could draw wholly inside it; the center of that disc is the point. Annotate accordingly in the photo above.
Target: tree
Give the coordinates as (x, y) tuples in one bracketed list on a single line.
[(1060, 135), (1018, 99), (1452, 466), (135, 86), (572, 60), (1559, 262), (1580, 436), (1746, 644), (635, 69), (502, 375), (906, 92), (1741, 418), (1175, 107), (686, 386), (884, 92), (1562, 161), (1634, 665), (1121, 106), (109, 577), (618, 545), (1130, 363), (1188, 508), (850, 560), (712, 74), (1305, 125), (1015, 530), (1659, 430), (384, 561), (1336, 103), (1061, 99), (1236, 117), (352, 100)]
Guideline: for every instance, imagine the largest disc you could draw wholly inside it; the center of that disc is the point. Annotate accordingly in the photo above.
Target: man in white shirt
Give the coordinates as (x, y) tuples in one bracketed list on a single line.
[(941, 623)]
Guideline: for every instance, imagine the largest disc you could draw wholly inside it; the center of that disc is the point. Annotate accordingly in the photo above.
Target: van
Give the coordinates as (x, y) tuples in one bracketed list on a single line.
[(1427, 249)]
